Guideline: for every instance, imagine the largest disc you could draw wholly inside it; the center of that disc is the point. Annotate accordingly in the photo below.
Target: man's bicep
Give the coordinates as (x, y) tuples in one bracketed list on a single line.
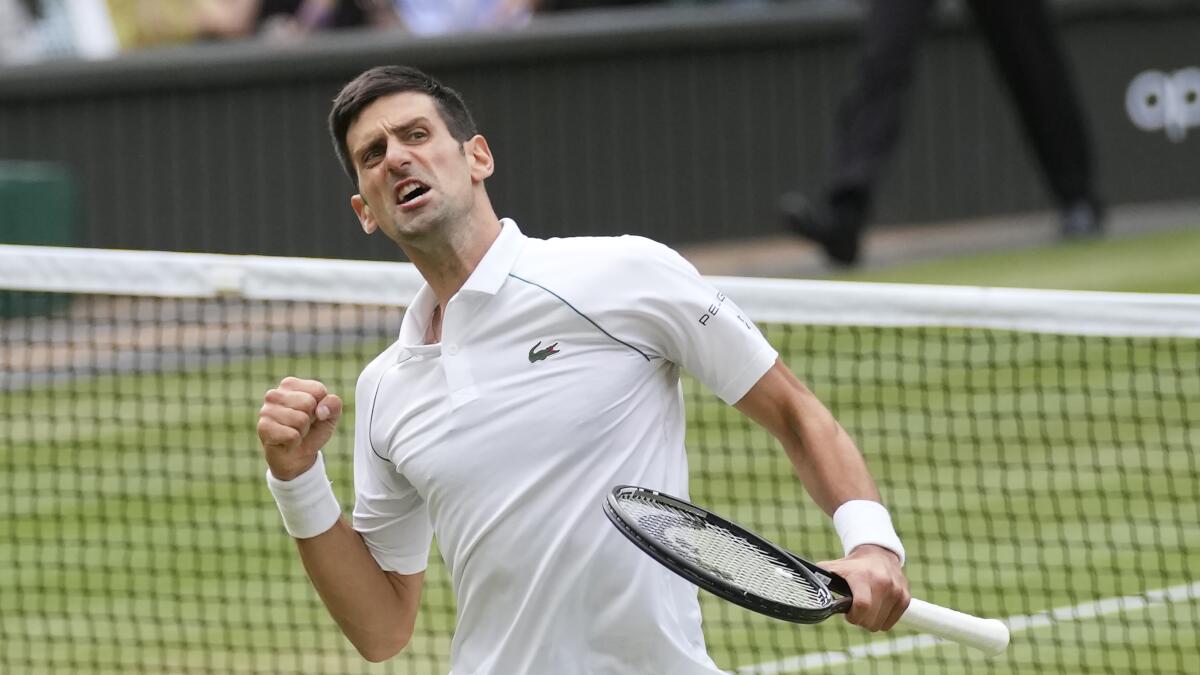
[(773, 398), (394, 523), (408, 588), (389, 512)]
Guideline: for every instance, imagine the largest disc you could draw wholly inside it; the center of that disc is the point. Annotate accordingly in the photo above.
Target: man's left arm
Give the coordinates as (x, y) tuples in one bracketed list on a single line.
[(835, 474)]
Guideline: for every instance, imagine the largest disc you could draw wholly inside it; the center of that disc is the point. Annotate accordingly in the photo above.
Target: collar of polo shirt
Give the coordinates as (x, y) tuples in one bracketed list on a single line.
[(487, 278)]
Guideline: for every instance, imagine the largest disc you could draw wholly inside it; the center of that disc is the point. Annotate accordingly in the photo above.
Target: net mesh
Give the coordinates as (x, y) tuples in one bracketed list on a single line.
[(724, 554), (1046, 477)]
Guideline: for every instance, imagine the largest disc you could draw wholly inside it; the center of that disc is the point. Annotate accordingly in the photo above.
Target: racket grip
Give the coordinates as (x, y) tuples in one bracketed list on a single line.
[(988, 635)]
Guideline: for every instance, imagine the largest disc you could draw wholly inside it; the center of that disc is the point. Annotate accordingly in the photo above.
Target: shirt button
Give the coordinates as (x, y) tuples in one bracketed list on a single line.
[(451, 349)]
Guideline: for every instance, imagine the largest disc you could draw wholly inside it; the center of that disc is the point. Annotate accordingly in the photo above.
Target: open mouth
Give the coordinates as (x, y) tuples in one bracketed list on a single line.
[(411, 191)]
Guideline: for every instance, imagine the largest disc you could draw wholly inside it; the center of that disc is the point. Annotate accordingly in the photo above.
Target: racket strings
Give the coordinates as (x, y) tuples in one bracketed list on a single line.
[(725, 554)]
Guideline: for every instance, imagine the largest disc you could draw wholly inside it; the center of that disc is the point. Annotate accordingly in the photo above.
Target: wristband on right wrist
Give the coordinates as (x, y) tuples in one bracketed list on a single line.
[(861, 521), (306, 502)]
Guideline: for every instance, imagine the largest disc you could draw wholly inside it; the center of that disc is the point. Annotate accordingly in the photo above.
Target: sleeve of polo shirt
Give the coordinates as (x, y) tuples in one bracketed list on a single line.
[(389, 513), (687, 320)]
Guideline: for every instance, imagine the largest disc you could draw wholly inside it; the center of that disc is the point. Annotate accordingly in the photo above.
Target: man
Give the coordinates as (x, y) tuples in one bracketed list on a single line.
[(529, 377), (1023, 42)]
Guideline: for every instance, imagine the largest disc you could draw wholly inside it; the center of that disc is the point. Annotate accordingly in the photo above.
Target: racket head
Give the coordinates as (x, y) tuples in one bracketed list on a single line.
[(724, 558)]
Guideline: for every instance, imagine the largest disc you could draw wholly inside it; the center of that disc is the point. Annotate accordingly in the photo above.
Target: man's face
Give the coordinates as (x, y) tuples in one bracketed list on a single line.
[(414, 179)]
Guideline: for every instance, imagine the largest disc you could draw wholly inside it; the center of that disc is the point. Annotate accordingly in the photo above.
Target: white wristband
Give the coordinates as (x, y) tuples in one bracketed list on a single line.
[(306, 502), (860, 521)]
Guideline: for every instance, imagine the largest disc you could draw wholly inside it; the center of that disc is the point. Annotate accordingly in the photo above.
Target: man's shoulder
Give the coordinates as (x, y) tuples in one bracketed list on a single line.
[(592, 257), (629, 244), (371, 373)]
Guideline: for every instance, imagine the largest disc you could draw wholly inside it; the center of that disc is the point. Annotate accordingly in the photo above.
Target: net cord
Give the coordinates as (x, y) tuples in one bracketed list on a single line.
[(203, 275)]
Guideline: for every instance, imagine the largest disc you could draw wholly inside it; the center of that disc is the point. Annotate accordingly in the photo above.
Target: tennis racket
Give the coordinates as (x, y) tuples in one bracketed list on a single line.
[(733, 563)]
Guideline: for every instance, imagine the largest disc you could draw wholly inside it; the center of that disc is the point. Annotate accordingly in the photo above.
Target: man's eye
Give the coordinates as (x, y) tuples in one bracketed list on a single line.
[(370, 155), (418, 135)]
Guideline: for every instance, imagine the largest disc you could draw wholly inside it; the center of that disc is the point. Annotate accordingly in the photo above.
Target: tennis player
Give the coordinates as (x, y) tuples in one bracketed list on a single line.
[(529, 377)]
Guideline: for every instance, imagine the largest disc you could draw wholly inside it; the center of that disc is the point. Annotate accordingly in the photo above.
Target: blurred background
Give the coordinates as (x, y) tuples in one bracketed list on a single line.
[(198, 125)]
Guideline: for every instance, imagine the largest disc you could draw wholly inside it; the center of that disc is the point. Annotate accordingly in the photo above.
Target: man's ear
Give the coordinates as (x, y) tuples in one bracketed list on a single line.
[(363, 211), (480, 156)]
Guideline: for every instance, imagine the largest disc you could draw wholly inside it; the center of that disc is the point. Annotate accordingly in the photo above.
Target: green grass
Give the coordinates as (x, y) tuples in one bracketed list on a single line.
[(135, 535), (1165, 262)]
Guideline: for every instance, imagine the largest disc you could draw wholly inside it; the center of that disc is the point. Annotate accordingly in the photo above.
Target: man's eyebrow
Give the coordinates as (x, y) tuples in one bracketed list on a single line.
[(373, 139), (395, 129), (401, 128)]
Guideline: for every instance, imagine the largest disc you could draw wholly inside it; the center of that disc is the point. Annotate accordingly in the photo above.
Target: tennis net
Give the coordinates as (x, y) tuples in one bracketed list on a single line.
[(1038, 450)]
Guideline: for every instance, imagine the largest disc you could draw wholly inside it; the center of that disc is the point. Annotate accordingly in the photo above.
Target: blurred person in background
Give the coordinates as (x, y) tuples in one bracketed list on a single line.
[(442, 17), (146, 23), (38, 30), (16, 17), (297, 18), (1025, 48), (416, 17), (565, 5), (142, 24)]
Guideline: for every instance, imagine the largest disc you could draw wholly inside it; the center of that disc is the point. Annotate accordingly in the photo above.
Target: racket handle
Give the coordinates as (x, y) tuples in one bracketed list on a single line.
[(988, 635)]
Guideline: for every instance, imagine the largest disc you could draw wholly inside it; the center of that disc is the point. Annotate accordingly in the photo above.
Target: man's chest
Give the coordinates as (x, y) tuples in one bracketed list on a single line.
[(491, 404)]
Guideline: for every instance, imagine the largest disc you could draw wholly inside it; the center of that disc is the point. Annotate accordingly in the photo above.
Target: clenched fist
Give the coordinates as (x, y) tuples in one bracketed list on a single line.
[(296, 420)]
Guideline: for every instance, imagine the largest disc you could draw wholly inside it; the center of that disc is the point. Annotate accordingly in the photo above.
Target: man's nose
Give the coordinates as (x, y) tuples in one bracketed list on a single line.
[(398, 156)]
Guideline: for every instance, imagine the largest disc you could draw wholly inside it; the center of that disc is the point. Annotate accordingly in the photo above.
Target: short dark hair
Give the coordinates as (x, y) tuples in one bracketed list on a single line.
[(386, 80)]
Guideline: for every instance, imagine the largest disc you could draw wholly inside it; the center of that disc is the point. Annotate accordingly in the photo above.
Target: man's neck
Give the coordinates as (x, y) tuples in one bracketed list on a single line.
[(433, 334), (447, 264)]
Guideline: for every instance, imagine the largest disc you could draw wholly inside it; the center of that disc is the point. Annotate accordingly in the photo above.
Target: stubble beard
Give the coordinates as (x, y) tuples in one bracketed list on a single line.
[(442, 220)]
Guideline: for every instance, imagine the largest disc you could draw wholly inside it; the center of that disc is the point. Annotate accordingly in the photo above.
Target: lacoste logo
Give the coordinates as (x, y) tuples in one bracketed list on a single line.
[(536, 355)]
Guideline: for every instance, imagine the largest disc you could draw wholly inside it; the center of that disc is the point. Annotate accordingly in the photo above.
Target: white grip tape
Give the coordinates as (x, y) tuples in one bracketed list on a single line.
[(860, 521), (988, 635), (306, 502)]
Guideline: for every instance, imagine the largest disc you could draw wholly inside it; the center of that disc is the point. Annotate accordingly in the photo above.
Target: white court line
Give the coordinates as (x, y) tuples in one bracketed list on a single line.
[(1016, 624)]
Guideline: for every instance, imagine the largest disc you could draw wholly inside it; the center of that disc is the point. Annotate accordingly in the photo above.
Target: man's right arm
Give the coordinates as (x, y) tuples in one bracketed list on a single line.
[(375, 609)]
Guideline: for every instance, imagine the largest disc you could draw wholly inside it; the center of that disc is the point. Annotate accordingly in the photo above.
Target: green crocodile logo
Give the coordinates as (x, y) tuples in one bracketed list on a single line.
[(536, 355)]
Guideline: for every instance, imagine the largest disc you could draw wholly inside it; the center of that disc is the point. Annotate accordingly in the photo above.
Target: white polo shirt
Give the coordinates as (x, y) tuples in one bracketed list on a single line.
[(557, 378)]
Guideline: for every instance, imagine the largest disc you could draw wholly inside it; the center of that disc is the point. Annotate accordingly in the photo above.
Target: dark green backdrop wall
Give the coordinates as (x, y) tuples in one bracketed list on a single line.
[(681, 126)]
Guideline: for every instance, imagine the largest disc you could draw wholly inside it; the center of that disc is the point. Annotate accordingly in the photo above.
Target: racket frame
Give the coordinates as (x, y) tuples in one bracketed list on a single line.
[(822, 581), (988, 635)]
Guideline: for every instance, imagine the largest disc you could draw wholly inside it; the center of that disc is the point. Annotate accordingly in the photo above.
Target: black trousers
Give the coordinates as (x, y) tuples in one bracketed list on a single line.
[(1025, 49)]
